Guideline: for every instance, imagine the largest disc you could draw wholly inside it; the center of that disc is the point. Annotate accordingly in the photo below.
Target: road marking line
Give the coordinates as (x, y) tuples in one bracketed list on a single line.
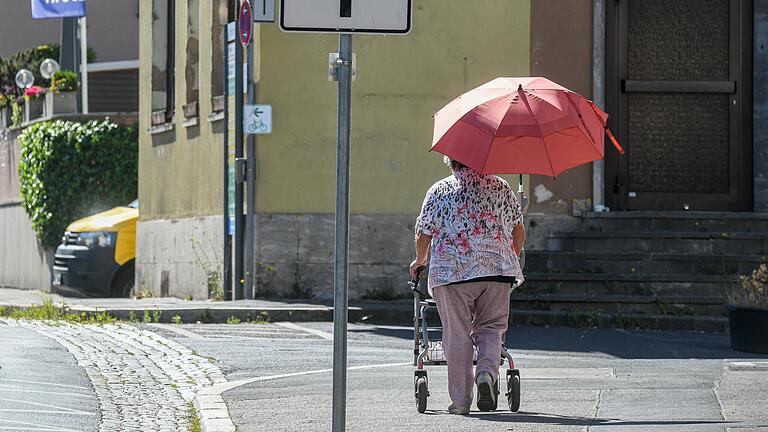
[(223, 387), (64, 409), (319, 333), (45, 383), (22, 390), (9, 410), (47, 428), (178, 330)]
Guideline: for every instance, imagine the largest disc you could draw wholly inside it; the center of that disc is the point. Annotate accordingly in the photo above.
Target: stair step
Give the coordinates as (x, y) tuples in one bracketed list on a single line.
[(670, 284), (640, 262), (645, 277), (625, 304), (676, 221), (670, 242), (614, 320)]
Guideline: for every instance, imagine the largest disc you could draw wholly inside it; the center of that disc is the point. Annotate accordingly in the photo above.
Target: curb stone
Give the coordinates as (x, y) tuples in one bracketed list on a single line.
[(213, 412)]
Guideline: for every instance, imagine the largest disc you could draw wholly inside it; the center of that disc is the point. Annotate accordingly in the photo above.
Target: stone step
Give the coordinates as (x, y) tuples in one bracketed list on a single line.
[(582, 319), (656, 284), (625, 304), (640, 262), (677, 221), (671, 242)]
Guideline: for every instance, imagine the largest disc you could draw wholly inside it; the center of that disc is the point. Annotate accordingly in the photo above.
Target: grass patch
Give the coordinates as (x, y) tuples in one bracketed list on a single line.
[(50, 312), (233, 320), (194, 419), (260, 318)]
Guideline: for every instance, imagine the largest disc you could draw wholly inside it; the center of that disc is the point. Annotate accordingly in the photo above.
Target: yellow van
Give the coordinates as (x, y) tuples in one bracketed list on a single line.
[(97, 253)]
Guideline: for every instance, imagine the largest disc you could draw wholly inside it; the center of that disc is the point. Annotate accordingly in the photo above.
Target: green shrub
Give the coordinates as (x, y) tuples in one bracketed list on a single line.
[(17, 114), (63, 81), (68, 170)]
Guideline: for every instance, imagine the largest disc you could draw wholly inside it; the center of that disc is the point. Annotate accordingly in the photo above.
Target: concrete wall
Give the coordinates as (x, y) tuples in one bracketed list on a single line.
[(112, 29), (561, 50), (23, 262), (184, 248)]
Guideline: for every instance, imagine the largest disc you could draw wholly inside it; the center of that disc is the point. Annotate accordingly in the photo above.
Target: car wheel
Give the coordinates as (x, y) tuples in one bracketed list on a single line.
[(124, 283)]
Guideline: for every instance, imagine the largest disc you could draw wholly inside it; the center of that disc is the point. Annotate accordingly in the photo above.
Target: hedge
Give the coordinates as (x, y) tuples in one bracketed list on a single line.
[(69, 170)]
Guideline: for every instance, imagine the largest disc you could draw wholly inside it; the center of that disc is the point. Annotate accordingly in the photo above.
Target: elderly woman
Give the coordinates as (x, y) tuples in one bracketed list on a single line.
[(473, 223)]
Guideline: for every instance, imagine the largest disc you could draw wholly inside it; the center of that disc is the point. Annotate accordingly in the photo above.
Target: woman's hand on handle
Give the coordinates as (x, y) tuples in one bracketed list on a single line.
[(416, 268)]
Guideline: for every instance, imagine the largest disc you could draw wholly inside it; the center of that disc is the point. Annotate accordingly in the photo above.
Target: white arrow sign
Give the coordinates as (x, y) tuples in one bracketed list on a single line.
[(346, 16)]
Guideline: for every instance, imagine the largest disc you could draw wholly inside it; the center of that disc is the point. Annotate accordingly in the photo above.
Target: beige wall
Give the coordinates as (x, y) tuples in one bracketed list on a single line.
[(180, 171), (401, 82), (112, 28), (561, 50)]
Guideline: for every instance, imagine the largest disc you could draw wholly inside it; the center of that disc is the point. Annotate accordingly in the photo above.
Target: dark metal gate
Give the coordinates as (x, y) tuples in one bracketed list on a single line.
[(678, 76)]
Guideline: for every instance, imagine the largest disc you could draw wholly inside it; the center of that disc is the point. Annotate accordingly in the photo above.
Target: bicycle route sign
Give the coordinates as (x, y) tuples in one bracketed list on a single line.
[(346, 16), (257, 119)]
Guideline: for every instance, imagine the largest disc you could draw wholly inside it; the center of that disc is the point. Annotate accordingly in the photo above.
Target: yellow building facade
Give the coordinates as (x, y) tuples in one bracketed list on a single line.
[(401, 81)]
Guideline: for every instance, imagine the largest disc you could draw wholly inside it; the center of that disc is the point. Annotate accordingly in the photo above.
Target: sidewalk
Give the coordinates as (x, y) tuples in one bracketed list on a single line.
[(280, 379), (190, 311)]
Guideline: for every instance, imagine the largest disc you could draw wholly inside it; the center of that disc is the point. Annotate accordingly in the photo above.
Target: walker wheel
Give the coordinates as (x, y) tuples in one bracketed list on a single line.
[(513, 389), (421, 394)]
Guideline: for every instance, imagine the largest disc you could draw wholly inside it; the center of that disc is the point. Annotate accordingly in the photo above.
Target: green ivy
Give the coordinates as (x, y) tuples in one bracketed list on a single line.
[(17, 114), (69, 170)]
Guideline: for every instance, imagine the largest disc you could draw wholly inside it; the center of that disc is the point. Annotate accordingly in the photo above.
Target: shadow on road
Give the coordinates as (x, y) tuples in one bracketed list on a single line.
[(540, 418), (617, 343)]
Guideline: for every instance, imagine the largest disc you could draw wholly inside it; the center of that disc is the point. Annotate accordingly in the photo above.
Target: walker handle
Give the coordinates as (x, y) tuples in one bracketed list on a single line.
[(415, 282)]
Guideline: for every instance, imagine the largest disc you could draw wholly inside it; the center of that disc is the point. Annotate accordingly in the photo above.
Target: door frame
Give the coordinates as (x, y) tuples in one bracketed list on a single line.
[(739, 86)]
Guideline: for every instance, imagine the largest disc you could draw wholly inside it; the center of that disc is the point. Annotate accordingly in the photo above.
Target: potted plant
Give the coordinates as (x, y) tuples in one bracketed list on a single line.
[(748, 312), (33, 103), (62, 98)]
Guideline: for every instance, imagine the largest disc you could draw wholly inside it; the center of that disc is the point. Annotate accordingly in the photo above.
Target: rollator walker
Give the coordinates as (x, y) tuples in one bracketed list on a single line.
[(429, 352)]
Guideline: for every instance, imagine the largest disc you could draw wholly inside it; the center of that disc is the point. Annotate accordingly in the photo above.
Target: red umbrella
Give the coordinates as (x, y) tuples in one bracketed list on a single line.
[(521, 126)]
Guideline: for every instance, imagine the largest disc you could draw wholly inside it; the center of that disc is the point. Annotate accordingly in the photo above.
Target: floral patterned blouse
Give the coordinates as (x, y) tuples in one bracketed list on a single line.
[(470, 217)]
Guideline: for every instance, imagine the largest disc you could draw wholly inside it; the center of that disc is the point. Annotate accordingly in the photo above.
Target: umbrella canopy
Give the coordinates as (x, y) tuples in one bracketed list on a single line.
[(521, 126)]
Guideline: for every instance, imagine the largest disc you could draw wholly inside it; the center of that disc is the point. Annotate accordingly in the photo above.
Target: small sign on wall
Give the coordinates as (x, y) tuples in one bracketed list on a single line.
[(257, 119)]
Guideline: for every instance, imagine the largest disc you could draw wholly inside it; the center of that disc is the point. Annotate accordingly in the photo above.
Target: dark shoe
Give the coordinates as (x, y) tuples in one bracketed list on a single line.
[(453, 409), (486, 392)]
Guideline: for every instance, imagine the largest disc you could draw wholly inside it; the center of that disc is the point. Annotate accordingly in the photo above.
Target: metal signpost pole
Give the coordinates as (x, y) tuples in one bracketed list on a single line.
[(239, 239), (227, 255), (344, 69), (250, 178)]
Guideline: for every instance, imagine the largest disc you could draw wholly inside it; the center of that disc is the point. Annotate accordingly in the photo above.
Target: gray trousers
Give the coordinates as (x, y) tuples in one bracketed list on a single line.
[(473, 314)]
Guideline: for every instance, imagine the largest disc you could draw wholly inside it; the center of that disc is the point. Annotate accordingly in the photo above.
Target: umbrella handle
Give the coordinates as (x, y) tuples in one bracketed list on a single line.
[(613, 140), (605, 126)]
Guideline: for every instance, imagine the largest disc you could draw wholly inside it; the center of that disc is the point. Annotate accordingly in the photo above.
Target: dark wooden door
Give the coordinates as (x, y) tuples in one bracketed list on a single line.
[(678, 88)]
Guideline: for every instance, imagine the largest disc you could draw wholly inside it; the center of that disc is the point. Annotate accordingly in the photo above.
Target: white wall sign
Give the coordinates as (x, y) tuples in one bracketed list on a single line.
[(346, 16), (257, 119), (263, 10)]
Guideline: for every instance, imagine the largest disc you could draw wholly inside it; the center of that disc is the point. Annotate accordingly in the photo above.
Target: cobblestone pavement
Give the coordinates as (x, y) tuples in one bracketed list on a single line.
[(144, 382)]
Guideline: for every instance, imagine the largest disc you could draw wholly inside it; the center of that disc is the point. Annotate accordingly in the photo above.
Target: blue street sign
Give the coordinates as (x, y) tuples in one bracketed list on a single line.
[(57, 8)]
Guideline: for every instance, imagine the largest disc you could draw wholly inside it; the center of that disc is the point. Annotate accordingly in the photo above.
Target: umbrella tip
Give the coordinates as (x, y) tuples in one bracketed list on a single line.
[(519, 87)]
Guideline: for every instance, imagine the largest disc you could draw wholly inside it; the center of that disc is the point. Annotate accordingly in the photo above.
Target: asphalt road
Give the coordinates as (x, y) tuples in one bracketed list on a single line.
[(572, 380), (41, 386)]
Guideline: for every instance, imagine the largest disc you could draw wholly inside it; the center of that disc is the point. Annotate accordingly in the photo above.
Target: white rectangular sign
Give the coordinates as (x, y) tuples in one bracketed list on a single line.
[(257, 119), (346, 16), (263, 10)]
